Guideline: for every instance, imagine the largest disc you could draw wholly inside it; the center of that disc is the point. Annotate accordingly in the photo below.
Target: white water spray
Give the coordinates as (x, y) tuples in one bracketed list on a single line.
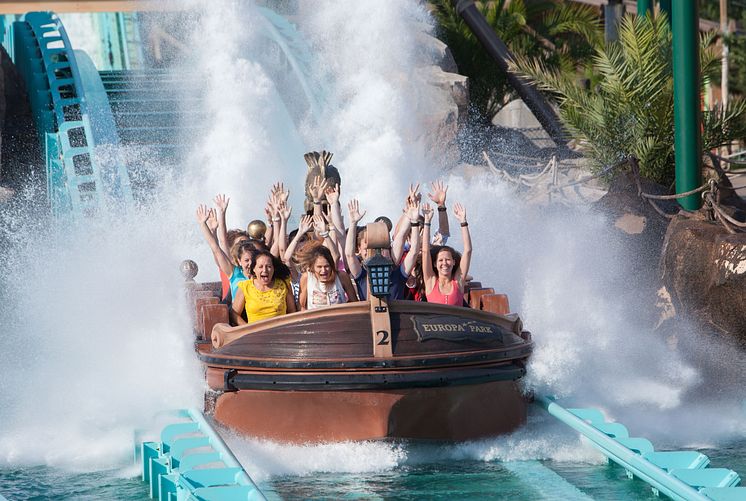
[(93, 319)]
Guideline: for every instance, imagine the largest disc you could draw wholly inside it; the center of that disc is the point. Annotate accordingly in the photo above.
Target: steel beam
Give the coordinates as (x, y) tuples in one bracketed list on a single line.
[(687, 101)]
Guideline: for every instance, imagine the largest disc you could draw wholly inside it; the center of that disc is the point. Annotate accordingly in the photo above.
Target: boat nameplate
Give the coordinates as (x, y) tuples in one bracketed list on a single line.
[(453, 328)]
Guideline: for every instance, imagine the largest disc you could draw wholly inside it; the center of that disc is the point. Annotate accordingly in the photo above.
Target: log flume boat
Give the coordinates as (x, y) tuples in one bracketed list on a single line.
[(366, 370)]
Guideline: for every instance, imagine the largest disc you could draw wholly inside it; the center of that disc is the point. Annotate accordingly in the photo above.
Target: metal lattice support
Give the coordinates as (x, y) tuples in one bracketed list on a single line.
[(192, 462), (45, 58)]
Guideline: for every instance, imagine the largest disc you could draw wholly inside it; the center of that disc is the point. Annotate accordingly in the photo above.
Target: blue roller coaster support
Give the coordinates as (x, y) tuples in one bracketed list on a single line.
[(666, 7), (76, 183), (644, 7), (687, 101), (680, 475), (191, 462)]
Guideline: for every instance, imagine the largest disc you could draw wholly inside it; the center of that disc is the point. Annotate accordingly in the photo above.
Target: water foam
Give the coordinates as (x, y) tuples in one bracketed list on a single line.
[(97, 315)]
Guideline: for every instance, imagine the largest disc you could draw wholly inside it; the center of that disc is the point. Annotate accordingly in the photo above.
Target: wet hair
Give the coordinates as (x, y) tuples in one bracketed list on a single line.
[(316, 252), (258, 245), (304, 250), (281, 270), (232, 235), (241, 247), (456, 255)]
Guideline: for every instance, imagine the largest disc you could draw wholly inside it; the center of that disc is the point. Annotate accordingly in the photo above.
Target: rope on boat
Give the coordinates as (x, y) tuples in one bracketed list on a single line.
[(182, 465), (680, 475)]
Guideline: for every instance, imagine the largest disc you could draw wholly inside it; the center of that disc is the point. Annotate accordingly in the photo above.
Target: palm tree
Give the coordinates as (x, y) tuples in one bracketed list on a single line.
[(628, 112), (561, 34)]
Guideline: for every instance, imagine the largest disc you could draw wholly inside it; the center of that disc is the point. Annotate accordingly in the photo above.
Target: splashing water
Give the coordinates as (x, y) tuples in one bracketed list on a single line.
[(95, 337)]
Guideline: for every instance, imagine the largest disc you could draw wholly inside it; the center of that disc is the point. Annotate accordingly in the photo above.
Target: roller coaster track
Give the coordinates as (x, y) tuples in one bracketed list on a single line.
[(76, 183)]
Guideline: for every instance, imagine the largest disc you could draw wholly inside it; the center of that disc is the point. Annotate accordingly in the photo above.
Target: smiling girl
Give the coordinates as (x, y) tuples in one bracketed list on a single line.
[(323, 285), (267, 294), (444, 276)]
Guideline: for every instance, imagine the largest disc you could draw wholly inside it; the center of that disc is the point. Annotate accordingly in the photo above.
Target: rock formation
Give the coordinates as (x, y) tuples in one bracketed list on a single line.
[(703, 270)]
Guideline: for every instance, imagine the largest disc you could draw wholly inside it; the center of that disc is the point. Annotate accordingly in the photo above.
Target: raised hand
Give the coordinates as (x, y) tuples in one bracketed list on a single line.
[(280, 193), (354, 208), (437, 238), (414, 193), (328, 221), (318, 187), (273, 205), (459, 212), (212, 220), (221, 202), (319, 225), (285, 210), (427, 211), (413, 210), (332, 194), (203, 213), (438, 196), (305, 224)]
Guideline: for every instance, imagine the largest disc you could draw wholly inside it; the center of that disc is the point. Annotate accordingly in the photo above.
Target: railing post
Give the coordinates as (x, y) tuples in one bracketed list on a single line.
[(687, 111), (665, 6)]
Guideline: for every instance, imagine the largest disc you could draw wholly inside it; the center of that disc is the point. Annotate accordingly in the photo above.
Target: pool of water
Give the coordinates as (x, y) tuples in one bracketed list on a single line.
[(464, 479)]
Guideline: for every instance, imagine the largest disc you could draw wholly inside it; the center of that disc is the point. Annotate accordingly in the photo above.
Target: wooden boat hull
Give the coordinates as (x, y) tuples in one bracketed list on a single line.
[(316, 377), (464, 412)]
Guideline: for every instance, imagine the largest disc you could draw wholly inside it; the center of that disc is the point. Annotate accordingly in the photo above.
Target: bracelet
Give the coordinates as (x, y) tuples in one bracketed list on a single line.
[(464, 224), (324, 234), (275, 219), (425, 224), (415, 224), (317, 202), (442, 209)]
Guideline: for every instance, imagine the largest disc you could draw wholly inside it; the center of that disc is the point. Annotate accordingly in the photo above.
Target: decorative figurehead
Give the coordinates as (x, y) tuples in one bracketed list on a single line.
[(319, 165)]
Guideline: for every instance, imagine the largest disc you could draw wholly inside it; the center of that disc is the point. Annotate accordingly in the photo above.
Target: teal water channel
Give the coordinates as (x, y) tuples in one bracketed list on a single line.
[(470, 479)]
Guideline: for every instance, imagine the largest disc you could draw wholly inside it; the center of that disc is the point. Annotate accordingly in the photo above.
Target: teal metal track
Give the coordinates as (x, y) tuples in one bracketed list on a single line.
[(680, 475), (77, 185), (191, 462), (157, 114)]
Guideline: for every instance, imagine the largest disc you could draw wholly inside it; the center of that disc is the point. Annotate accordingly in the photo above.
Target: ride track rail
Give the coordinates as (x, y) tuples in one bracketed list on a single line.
[(680, 475), (46, 60)]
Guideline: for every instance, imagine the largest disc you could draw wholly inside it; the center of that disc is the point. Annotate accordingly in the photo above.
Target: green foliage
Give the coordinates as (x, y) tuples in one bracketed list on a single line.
[(629, 112), (562, 34)]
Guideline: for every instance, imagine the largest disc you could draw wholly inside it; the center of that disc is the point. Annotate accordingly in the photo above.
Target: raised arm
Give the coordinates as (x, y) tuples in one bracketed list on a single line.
[(237, 308), (285, 211), (275, 225), (427, 264), (317, 189), (221, 203), (319, 226), (402, 226), (348, 287), (438, 196), (460, 213), (305, 224), (413, 213), (355, 216), (270, 234), (335, 209), (222, 260), (303, 295)]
